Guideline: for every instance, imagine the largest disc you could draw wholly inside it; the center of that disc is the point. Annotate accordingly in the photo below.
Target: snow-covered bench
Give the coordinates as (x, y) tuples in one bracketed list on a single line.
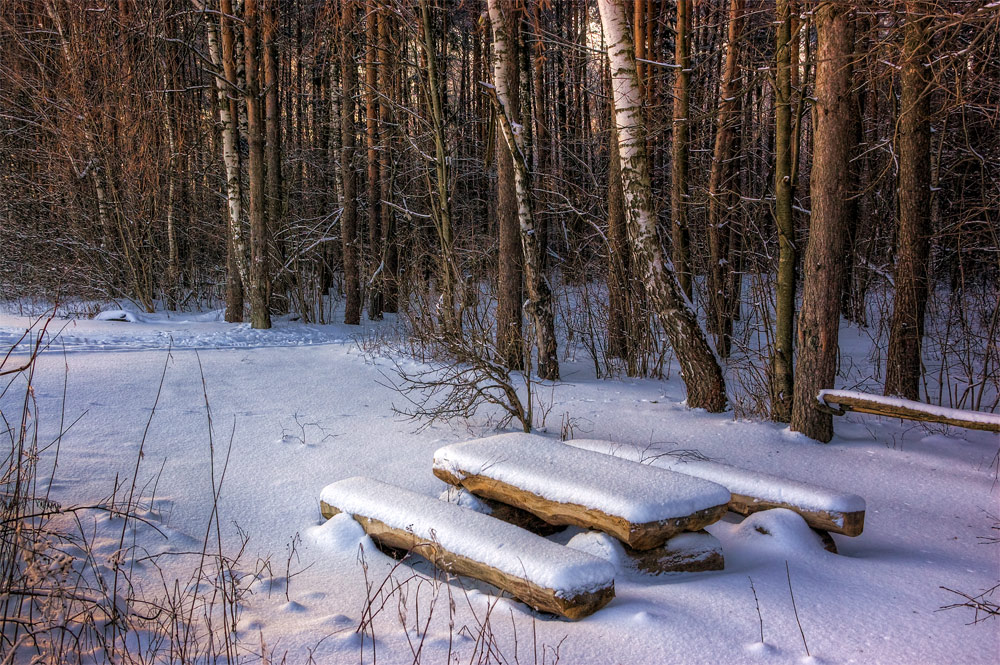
[(640, 505), (538, 572), (895, 407), (752, 491)]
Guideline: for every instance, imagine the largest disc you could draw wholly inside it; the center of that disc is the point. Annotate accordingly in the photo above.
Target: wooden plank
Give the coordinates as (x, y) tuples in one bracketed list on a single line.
[(545, 575), (537, 597), (639, 536), (845, 523), (753, 491), (911, 410), (685, 553)]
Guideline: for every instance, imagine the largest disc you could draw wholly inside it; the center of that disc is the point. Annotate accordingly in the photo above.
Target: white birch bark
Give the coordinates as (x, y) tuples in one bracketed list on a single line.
[(539, 293), (230, 154), (700, 369)]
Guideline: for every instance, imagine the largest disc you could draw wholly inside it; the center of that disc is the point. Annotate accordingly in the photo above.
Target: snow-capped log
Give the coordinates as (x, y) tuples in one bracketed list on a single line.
[(640, 505), (752, 491), (538, 572), (897, 407)]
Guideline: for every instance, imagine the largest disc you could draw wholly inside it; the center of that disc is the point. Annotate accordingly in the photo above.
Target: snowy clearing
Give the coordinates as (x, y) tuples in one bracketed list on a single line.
[(299, 407)]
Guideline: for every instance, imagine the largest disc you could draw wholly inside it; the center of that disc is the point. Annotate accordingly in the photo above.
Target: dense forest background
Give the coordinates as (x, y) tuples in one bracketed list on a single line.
[(530, 174)]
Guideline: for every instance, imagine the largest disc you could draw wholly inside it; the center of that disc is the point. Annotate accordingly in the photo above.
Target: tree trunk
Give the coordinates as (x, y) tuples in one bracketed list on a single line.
[(681, 250), (349, 178), (819, 319), (374, 181), (700, 369), (720, 182), (272, 128), (539, 294), (260, 316), (618, 259), (390, 251), (510, 345), (782, 376), (237, 273), (903, 361)]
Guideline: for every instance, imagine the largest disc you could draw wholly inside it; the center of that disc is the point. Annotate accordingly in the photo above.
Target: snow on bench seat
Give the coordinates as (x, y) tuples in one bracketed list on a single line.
[(640, 505), (897, 407), (753, 491), (538, 572)]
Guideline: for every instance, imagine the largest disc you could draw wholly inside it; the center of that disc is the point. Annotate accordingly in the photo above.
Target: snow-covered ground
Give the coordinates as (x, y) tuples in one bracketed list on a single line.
[(302, 406)]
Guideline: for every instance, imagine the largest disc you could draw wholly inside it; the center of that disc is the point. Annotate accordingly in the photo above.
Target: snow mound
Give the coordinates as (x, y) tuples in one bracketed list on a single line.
[(118, 315), (340, 533), (780, 532), (602, 546)]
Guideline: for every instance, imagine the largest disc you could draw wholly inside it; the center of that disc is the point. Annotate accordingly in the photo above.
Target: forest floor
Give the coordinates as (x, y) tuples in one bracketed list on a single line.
[(300, 406)]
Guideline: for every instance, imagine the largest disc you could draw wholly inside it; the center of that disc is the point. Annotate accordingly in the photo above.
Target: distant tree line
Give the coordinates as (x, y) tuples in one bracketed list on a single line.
[(720, 180)]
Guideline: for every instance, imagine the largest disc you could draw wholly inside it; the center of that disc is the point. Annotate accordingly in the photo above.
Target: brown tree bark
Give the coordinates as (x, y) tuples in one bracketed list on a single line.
[(782, 371), (681, 250), (907, 328), (272, 152), (260, 316), (720, 183), (539, 293), (819, 319), (390, 250), (510, 344), (349, 178), (374, 182)]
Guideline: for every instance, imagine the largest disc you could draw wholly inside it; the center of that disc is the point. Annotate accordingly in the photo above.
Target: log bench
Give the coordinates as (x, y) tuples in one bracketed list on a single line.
[(640, 505), (542, 574), (842, 401), (752, 491)]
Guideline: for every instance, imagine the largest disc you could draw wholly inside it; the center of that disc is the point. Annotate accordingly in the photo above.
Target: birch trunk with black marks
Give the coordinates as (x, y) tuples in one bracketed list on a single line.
[(819, 319), (701, 372), (272, 155), (910, 302), (539, 293)]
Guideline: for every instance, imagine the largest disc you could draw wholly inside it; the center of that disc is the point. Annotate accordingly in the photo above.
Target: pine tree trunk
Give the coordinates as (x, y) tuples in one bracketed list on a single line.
[(681, 250), (907, 328), (700, 369), (819, 319), (349, 178), (539, 294), (272, 128), (782, 373), (390, 255), (260, 316), (510, 345), (374, 181), (720, 182)]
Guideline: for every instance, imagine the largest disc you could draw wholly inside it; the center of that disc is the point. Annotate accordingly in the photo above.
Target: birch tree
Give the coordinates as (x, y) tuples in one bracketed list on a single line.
[(700, 370), (539, 293)]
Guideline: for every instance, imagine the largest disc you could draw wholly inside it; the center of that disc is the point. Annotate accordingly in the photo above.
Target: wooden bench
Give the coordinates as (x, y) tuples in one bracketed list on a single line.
[(753, 491), (640, 505), (842, 401), (538, 572)]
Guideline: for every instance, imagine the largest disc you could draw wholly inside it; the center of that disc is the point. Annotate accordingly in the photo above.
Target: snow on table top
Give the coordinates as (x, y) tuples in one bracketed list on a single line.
[(738, 481), (557, 472), (899, 402), (497, 544)]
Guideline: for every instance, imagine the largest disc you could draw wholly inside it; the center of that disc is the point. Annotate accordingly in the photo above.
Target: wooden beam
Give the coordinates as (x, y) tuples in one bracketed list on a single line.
[(640, 536), (540, 598), (910, 410)]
